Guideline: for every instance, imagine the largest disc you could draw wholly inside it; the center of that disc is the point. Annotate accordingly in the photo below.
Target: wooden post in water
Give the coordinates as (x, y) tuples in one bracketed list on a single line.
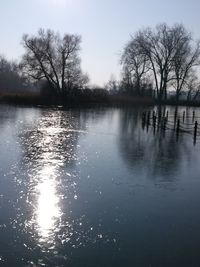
[(143, 119), (183, 116), (148, 117), (175, 115), (167, 115), (178, 126), (159, 117), (154, 124), (193, 115), (177, 129), (164, 122), (163, 115), (148, 120), (195, 131), (154, 121), (144, 116)]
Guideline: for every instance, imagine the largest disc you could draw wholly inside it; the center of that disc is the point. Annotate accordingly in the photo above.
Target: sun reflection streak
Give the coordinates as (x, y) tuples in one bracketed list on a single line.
[(48, 203), (48, 211), (52, 146)]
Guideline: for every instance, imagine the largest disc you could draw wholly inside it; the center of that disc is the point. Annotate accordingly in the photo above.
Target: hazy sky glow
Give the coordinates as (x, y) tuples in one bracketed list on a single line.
[(105, 26)]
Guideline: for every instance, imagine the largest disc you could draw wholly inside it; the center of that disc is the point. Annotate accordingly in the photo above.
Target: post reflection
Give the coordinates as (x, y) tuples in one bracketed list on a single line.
[(161, 153)]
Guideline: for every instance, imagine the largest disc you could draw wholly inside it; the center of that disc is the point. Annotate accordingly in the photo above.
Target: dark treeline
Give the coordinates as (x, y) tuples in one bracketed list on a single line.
[(11, 79), (158, 64)]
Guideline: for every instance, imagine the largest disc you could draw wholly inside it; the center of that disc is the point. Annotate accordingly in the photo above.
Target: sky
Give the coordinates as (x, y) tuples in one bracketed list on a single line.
[(105, 26)]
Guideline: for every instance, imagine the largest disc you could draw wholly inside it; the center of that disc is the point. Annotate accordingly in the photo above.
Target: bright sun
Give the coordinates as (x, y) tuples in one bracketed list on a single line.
[(59, 2)]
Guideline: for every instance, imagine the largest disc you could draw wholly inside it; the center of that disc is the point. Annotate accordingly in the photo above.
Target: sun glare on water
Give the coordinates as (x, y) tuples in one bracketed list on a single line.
[(48, 209)]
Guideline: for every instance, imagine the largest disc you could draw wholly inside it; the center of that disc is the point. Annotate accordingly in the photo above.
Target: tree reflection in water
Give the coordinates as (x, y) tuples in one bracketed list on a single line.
[(157, 152)]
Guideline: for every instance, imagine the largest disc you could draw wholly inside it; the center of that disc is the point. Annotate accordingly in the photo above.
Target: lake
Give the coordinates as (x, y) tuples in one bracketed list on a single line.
[(94, 187)]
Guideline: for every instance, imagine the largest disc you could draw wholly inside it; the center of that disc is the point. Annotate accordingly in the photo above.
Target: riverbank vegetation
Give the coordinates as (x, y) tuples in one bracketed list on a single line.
[(159, 65)]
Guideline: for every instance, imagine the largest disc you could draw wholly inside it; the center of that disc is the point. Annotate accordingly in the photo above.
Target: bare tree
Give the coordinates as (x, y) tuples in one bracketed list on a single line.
[(112, 85), (126, 84), (53, 58), (161, 46), (192, 87), (186, 58), (135, 63), (166, 53)]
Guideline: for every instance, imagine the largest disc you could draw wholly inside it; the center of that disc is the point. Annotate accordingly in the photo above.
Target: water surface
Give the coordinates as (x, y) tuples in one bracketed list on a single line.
[(92, 187)]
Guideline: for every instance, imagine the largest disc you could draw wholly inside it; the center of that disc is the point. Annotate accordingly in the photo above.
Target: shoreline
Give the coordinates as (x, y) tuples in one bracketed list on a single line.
[(103, 101)]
